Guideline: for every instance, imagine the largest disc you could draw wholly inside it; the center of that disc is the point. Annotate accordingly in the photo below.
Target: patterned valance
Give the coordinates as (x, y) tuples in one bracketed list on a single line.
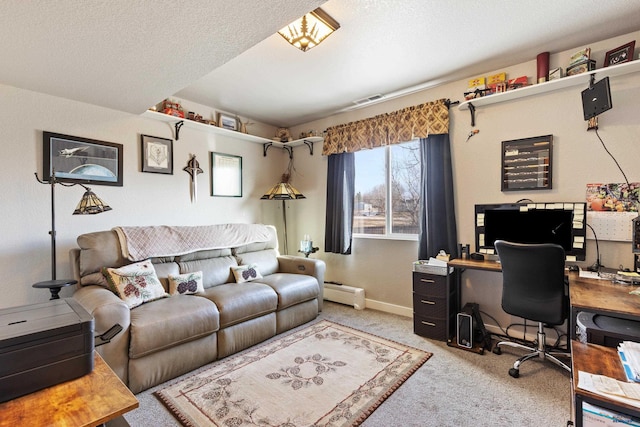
[(391, 128)]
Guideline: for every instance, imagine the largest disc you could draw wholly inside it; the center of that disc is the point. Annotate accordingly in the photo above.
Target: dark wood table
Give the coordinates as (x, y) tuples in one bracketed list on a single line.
[(54, 286), (89, 401)]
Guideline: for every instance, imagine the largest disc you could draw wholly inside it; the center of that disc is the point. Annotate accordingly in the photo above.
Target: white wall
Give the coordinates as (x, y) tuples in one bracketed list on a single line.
[(383, 267), (145, 198)]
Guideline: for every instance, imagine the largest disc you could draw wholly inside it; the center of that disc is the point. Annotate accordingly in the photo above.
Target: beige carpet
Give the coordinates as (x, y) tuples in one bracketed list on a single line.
[(325, 374)]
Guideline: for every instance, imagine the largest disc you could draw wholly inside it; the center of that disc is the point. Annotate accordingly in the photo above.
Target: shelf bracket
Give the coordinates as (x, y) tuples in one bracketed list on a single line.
[(289, 149), (265, 148), (178, 126), (310, 145), (472, 110)]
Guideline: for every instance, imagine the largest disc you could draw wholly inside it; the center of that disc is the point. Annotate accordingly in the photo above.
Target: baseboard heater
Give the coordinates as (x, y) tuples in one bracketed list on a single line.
[(344, 295)]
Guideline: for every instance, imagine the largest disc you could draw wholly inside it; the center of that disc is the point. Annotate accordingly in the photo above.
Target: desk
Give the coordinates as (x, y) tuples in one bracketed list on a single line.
[(599, 360), (90, 400), (596, 296)]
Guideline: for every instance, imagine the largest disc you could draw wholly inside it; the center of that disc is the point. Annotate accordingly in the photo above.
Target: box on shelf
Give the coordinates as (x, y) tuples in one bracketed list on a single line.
[(581, 67), (517, 83)]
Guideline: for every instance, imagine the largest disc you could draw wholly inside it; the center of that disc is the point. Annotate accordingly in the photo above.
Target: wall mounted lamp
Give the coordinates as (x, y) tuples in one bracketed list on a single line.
[(310, 30)]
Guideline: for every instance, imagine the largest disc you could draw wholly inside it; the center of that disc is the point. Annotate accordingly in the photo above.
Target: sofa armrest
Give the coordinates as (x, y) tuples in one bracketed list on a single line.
[(108, 309), (308, 266)]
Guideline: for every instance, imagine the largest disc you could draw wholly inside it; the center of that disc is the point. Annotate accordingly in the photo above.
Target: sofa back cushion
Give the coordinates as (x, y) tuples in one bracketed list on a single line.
[(215, 271), (266, 261), (263, 254)]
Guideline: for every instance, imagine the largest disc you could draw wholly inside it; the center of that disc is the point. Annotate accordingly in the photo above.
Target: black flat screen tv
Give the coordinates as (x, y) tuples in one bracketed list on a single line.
[(559, 223)]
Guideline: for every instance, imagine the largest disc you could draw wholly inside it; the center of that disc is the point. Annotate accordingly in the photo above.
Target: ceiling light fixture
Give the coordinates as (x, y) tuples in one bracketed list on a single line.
[(310, 30)]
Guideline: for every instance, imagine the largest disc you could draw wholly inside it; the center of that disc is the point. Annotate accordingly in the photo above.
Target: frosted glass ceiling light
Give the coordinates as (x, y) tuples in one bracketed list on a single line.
[(310, 30)]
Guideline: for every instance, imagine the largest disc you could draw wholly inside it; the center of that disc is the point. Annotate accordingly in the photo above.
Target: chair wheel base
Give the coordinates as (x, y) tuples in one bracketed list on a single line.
[(515, 373)]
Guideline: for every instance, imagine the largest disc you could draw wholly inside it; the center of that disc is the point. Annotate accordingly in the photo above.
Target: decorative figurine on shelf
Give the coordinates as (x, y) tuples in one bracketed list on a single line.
[(193, 169), (243, 125), (283, 135)]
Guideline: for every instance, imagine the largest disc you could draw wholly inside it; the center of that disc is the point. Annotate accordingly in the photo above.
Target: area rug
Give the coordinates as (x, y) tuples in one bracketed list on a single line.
[(323, 375)]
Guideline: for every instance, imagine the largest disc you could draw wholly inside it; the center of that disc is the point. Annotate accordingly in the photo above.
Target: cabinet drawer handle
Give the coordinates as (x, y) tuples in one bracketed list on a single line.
[(427, 302), (427, 280), (427, 323)]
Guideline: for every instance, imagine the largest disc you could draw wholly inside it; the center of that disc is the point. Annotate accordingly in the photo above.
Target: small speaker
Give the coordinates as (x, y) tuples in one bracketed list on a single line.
[(465, 330), (596, 99)]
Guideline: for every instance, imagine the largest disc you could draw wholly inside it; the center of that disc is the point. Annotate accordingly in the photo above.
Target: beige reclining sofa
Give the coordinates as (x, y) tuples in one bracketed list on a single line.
[(172, 335)]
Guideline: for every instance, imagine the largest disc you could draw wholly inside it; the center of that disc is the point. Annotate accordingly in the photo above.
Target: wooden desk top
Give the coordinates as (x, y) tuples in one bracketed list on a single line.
[(603, 297), (599, 360), (475, 265), (90, 400), (598, 296)]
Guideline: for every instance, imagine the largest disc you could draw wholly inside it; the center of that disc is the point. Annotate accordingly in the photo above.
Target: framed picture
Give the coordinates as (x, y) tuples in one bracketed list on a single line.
[(157, 154), (227, 122), (226, 175), (83, 160), (526, 163), (620, 54)]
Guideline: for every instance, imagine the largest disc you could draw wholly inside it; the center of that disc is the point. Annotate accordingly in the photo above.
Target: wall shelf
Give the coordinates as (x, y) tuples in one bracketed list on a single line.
[(179, 122), (550, 86)]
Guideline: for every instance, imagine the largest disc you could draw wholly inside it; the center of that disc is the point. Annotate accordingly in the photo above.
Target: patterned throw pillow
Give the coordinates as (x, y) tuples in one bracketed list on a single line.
[(184, 284), (246, 273), (135, 283)]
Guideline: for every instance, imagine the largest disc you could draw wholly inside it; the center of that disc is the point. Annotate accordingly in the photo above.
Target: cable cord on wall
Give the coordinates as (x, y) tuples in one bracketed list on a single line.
[(611, 155)]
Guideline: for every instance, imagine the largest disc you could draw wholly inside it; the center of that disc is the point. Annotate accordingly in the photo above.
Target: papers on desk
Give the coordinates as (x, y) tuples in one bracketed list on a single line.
[(432, 266), (589, 274), (613, 389), (629, 353), (626, 392)]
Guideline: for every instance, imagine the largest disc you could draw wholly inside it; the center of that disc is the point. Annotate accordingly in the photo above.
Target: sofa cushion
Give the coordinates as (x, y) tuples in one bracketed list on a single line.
[(186, 284), (135, 283), (169, 322), (98, 249), (164, 270), (266, 260), (215, 271), (292, 289), (240, 302)]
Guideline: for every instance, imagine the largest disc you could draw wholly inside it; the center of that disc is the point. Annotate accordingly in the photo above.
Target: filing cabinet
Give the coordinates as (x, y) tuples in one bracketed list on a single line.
[(434, 306)]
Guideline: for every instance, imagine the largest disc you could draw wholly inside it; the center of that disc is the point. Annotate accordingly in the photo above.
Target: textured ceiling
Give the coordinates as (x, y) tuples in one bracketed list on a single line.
[(128, 55)]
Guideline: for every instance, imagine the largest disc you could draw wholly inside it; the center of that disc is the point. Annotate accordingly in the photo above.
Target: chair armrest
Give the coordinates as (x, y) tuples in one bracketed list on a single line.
[(309, 266), (108, 309)]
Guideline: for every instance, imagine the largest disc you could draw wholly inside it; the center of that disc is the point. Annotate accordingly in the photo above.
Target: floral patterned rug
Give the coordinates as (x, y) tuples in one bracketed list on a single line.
[(323, 375)]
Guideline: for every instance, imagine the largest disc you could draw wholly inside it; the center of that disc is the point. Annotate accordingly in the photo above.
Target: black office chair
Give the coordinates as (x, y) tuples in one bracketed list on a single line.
[(534, 288)]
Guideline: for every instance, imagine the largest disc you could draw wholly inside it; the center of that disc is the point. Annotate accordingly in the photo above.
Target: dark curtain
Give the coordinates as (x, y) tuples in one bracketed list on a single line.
[(340, 198), (437, 210)]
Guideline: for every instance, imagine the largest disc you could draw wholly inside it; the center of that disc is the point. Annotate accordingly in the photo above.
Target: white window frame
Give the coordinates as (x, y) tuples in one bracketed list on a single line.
[(388, 235)]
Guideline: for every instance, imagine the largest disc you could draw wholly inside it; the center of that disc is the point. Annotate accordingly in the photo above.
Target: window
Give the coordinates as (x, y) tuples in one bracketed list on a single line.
[(387, 190)]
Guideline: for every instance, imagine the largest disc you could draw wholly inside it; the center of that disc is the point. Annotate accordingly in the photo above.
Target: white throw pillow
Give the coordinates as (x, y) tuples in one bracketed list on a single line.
[(135, 283)]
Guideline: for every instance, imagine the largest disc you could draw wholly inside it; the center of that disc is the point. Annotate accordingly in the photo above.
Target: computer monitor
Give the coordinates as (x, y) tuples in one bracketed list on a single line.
[(560, 223)]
